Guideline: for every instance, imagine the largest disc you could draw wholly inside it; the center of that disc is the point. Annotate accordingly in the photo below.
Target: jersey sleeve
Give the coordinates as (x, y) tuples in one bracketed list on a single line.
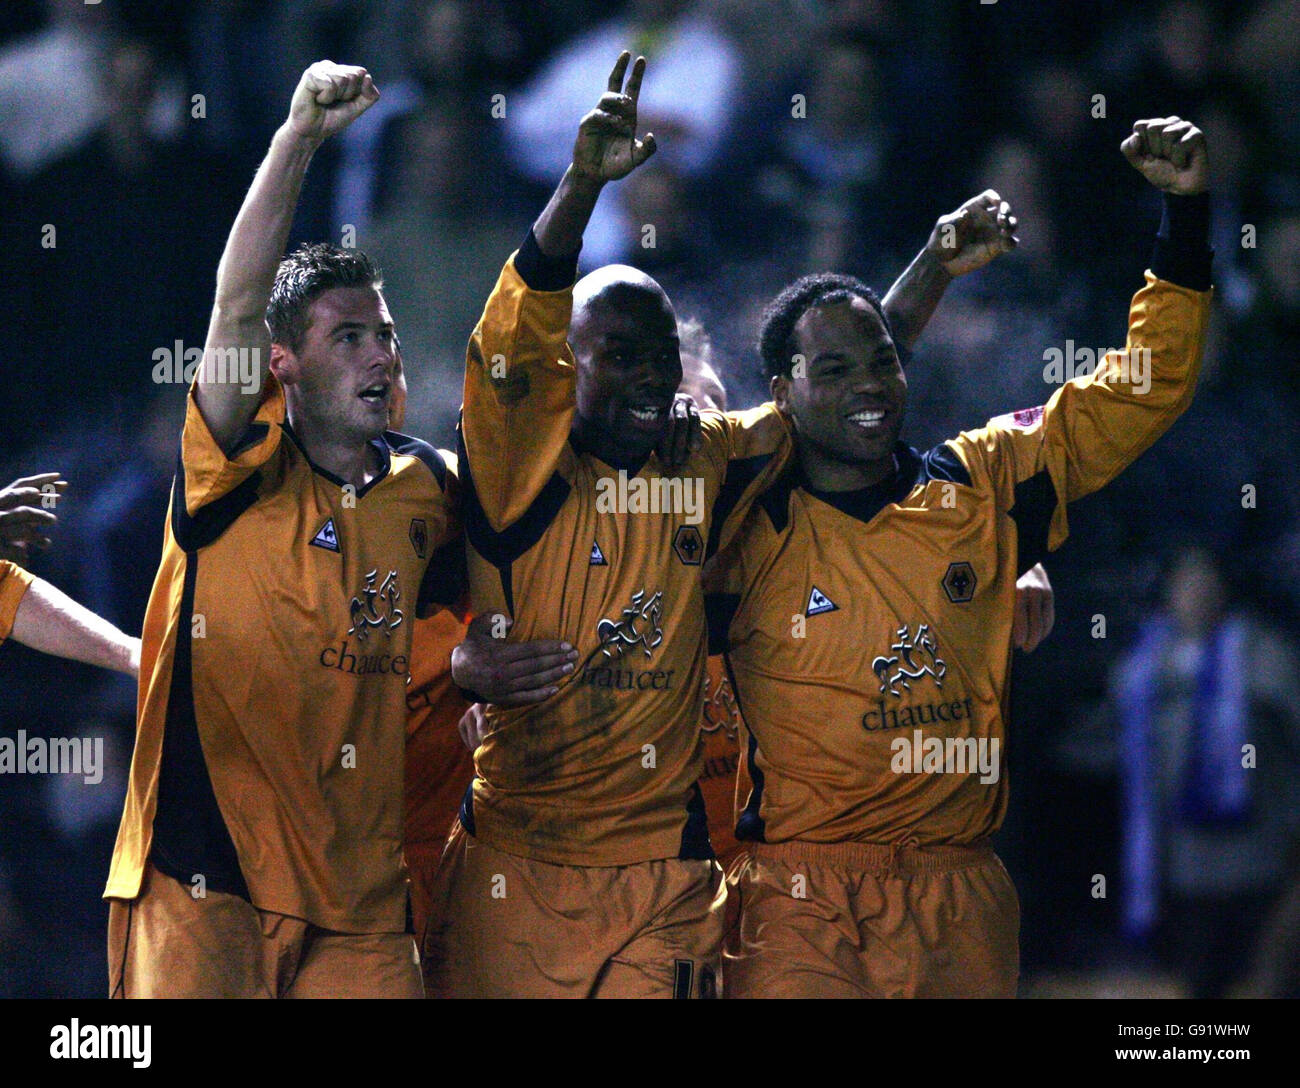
[(209, 474), (520, 379), (1038, 460), (724, 582), (749, 450), (14, 583)]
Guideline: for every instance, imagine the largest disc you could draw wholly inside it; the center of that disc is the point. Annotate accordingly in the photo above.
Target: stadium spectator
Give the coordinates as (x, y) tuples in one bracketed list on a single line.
[(1209, 748)]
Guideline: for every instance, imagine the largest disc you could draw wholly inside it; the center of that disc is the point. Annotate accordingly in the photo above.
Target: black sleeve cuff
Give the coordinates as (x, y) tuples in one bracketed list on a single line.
[(543, 273), (1182, 252)]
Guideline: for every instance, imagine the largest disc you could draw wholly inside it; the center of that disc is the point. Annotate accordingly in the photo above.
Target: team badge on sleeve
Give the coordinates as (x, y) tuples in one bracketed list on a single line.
[(1025, 418)]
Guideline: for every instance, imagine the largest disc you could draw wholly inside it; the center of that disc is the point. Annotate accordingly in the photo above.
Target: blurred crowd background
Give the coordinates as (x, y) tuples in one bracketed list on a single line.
[(795, 136)]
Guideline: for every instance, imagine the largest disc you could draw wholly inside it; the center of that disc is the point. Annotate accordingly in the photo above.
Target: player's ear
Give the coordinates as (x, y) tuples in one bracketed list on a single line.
[(780, 387), (284, 364)]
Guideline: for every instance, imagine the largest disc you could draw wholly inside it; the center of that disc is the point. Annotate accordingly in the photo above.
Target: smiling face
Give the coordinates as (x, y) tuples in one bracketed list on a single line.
[(848, 403), (624, 338), (340, 381)]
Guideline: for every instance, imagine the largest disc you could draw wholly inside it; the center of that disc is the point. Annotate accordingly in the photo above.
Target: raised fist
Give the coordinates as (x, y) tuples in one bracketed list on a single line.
[(970, 237), (329, 97), (1170, 154), (607, 148)]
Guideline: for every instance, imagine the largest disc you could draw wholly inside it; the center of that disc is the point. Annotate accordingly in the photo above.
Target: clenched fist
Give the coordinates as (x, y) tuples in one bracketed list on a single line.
[(607, 148), (330, 97), (970, 237), (1170, 154), (1035, 609)]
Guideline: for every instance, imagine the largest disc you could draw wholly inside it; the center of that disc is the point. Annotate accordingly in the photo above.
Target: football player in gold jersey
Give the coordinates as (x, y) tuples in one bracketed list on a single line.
[(960, 243), (260, 850), (871, 601), (581, 865)]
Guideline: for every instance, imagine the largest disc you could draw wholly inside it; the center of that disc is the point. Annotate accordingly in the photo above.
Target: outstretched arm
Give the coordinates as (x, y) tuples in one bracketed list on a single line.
[(49, 620), (1096, 424), (980, 230), (328, 98)]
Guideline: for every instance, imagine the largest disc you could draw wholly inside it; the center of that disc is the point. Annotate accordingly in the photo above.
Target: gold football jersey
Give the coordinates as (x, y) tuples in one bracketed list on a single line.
[(870, 631), (607, 558), (276, 653)]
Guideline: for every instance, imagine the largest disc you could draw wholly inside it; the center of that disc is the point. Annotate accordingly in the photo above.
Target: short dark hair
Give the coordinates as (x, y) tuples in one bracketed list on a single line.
[(306, 274), (780, 316)]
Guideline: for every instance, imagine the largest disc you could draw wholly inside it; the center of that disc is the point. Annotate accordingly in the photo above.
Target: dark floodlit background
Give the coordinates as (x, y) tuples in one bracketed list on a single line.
[(911, 106)]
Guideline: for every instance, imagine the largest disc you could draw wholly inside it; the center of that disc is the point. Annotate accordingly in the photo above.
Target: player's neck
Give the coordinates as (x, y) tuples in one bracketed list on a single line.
[(355, 463), (825, 473), (593, 439)]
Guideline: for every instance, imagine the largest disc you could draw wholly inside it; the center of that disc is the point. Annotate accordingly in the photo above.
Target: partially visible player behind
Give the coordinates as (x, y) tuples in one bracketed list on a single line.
[(260, 850)]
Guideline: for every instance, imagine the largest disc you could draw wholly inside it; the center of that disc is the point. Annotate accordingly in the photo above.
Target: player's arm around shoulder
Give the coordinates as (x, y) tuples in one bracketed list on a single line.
[(759, 434), (753, 448)]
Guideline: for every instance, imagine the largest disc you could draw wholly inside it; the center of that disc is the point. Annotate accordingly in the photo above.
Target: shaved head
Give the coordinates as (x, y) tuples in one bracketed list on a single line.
[(623, 333), (614, 286)]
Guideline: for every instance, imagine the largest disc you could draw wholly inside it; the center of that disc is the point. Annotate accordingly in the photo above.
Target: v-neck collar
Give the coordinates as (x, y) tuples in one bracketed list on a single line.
[(631, 466), (380, 447), (865, 503)]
